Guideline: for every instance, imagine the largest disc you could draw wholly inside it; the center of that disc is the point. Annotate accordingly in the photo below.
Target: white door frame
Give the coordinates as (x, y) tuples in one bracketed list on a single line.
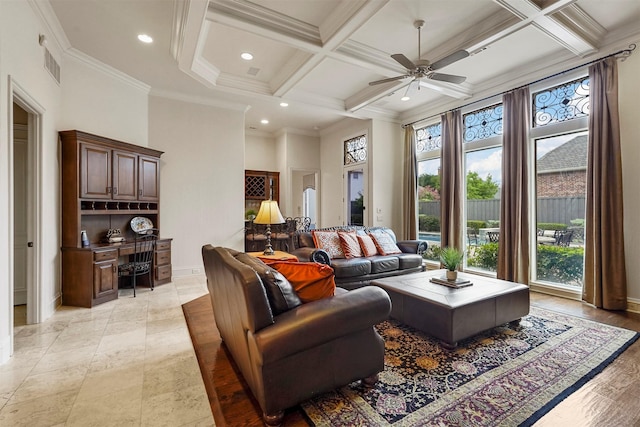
[(34, 206)]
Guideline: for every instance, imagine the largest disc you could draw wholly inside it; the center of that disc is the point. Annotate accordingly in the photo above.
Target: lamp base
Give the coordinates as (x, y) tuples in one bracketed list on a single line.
[(268, 250)]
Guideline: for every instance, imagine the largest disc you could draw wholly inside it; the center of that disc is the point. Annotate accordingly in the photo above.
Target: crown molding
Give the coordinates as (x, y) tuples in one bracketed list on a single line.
[(76, 55), (45, 12), (200, 100)]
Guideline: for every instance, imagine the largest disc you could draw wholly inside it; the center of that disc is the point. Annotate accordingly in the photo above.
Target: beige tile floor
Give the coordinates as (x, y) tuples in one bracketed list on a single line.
[(128, 362)]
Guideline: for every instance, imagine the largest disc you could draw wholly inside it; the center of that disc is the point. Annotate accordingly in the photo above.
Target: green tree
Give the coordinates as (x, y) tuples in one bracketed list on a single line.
[(478, 188), (427, 180)]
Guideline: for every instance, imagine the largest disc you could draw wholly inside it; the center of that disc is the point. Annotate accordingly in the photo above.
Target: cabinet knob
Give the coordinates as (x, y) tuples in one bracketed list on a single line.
[(140, 192), (115, 190)]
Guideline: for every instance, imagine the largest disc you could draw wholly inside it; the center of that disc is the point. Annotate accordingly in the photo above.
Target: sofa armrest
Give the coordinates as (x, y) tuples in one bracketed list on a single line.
[(413, 246), (308, 254), (319, 322)]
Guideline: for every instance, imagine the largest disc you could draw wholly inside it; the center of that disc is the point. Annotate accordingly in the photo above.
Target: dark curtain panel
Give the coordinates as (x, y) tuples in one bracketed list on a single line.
[(410, 187), (513, 252), (451, 196), (605, 276)]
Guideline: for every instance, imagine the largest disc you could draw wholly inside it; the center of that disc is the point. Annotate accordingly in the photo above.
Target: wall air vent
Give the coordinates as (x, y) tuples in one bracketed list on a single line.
[(253, 71), (51, 65)]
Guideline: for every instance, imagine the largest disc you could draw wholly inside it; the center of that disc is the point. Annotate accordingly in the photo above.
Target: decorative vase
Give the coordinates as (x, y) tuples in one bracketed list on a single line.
[(452, 275)]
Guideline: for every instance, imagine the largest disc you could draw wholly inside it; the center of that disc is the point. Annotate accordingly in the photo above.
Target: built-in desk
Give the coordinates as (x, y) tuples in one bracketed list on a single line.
[(91, 274)]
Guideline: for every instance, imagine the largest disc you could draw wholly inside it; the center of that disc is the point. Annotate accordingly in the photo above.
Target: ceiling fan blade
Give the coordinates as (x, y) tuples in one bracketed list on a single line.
[(404, 61), (450, 78), (390, 79), (447, 60)]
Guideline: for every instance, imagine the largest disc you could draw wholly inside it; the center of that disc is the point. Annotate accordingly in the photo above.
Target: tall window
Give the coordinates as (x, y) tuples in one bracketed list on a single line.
[(355, 158), (483, 178), (428, 147), (561, 143)]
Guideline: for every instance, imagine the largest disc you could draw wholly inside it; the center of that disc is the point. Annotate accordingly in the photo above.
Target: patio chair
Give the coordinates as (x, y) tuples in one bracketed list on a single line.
[(472, 236), (493, 236), (563, 238)]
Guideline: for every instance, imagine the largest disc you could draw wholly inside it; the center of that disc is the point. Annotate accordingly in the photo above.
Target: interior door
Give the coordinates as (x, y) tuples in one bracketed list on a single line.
[(20, 231)]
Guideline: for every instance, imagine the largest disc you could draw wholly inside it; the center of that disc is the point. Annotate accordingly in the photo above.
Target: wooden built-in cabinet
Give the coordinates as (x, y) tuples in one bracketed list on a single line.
[(105, 183)]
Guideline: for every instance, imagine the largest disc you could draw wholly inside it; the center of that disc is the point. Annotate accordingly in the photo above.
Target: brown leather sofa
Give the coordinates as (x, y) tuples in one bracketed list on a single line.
[(289, 352), (357, 272)]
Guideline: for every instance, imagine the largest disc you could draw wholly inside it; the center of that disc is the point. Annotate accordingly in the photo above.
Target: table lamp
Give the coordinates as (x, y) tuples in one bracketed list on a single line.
[(268, 214)]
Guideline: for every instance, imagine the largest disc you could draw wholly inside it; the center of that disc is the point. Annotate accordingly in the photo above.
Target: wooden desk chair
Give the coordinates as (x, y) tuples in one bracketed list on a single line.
[(141, 261)]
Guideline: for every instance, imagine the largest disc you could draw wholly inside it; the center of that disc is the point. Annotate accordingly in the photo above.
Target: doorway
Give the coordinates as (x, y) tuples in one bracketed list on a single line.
[(25, 136), (20, 213), (304, 194)]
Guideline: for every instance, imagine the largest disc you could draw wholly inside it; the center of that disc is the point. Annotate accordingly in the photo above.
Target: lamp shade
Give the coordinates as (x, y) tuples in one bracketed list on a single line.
[(269, 213)]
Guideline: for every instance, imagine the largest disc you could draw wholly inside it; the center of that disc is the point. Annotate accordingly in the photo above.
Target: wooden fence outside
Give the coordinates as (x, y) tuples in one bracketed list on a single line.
[(550, 209)]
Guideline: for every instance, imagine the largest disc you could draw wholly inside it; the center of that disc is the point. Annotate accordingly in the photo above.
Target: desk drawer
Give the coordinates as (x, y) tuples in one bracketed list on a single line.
[(105, 255), (163, 257), (163, 272), (163, 245)]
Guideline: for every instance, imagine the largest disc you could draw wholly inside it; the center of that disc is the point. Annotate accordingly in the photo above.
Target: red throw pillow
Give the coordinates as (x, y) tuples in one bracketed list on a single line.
[(350, 245), (384, 243), (367, 245), (330, 242), (311, 280)]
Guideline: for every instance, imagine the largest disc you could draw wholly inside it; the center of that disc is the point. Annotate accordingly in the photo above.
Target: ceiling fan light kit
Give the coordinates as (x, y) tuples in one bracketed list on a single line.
[(422, 68)]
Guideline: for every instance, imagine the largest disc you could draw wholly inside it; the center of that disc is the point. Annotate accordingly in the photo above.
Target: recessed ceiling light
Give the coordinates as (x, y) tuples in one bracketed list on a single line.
[(144, 38), (264, 121), (284, 104), (405, 98), (246, 56)]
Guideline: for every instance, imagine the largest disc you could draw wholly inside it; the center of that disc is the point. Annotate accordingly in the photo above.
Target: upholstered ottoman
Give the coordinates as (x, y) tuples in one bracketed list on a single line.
[(453, 314)]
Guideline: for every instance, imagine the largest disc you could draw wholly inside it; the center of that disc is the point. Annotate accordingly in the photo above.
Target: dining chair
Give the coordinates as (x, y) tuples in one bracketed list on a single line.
[(141, 261)]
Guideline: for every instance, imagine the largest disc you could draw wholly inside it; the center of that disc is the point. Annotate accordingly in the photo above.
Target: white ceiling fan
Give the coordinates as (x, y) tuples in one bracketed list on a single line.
[(424, 69)]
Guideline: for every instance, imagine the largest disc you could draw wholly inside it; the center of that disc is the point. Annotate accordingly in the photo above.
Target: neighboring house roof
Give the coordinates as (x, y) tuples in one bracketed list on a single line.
[(571, 155)]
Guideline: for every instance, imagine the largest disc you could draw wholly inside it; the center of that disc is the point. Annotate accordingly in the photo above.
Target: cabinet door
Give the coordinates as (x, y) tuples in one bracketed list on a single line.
[(105, 278), (95, 172), (125, 176), (149, 178)]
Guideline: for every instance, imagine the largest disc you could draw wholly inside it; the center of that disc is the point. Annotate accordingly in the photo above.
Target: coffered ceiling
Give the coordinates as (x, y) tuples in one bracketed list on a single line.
[(320, 55)]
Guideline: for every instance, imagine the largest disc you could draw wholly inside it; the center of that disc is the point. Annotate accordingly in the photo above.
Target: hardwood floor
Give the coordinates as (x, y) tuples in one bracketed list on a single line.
[(610, 399)]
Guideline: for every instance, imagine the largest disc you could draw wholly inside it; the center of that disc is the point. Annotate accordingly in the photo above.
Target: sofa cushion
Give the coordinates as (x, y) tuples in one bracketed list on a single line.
[(350, 245), (409, 261), (384, 242), (382, 264), (367, 245), (351, 267), (280, 293), (311, 281), (330, 242)]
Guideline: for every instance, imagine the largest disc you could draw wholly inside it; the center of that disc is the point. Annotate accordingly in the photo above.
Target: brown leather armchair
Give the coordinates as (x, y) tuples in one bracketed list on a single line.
[(302, 352)]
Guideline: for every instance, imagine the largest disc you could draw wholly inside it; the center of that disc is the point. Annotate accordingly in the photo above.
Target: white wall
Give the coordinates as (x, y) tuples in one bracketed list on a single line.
[(260, 152), (21, 59), (202, 178), (629, 93), (385, 188), (110, 105)]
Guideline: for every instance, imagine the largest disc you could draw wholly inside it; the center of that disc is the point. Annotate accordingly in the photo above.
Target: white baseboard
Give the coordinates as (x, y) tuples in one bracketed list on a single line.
[(187, 271), (5, 349), (633, 305)]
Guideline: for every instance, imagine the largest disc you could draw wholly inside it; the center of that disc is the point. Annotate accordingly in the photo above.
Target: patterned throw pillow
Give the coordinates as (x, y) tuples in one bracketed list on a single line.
[(367, 245), (350, 245), (384, 243), (330, 242)]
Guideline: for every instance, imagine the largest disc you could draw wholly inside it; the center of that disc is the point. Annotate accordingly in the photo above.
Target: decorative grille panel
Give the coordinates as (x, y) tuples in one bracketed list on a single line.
[(429, 138), (355, 150), (561, 103), (483, 124)]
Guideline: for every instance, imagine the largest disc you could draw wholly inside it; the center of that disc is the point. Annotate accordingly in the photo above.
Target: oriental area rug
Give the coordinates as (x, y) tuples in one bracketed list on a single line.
[(508, 376)]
